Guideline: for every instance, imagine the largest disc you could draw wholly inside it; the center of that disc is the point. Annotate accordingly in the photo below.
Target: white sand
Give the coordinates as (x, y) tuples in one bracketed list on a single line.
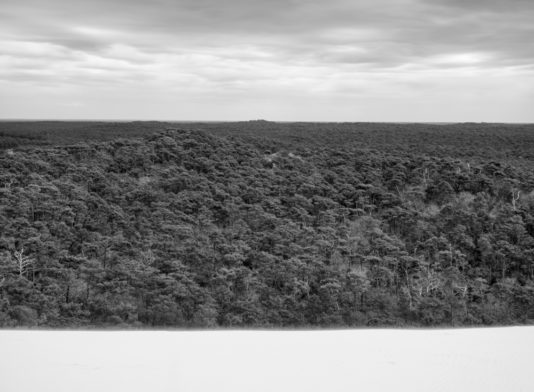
[(494, 359)]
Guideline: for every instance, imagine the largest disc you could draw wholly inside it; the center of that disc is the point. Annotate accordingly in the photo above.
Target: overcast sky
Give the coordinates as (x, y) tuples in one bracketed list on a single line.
[(315, 60)]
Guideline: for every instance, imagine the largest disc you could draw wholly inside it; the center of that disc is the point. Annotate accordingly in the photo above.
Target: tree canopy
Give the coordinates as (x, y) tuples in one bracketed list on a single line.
[(268, 227)]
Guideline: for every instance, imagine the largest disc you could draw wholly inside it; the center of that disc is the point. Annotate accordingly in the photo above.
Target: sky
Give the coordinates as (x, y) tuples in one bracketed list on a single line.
[(370, 360), (280, 60)]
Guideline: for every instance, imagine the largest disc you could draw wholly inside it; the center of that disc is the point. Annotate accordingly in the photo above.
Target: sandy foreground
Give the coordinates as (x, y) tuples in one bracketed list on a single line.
[(492, 359)]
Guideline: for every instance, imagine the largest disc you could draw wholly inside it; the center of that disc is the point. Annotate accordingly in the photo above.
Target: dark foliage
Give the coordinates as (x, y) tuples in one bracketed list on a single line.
[(264, 224)]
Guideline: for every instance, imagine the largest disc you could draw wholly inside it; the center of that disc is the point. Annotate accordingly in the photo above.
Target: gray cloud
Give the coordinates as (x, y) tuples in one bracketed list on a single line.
[(403, 30), (307, 46)]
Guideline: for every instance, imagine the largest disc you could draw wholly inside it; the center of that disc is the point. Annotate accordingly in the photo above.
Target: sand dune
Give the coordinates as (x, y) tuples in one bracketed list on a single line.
[(493, 359)]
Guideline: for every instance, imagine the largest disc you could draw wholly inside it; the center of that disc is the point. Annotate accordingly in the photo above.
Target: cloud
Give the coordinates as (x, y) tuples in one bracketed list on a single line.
[(247, 49)]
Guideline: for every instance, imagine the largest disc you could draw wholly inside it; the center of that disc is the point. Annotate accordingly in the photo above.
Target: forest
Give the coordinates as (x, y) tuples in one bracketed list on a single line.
[(260, 224)]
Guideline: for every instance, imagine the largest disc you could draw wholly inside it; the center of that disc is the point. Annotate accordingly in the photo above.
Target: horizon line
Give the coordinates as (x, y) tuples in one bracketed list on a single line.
[(123, 120)]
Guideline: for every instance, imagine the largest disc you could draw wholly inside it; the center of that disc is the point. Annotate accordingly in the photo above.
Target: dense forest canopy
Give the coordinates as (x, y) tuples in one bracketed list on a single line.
[(261, 224)]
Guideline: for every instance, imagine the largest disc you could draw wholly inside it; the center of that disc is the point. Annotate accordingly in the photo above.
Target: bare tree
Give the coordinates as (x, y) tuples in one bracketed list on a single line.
[(515, 198), (23, 262), (426, 176), (8, 183), (431, 280), (460, 288)]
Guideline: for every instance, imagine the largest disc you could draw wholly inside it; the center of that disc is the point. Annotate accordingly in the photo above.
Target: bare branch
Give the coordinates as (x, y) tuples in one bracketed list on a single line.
[(22, 261)]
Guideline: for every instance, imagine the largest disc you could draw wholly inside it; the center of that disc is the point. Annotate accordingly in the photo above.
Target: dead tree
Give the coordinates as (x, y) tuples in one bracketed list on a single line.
[(515, 198), (426, 177), (460, 288), (23, 262), (432, 280), (8, 183)]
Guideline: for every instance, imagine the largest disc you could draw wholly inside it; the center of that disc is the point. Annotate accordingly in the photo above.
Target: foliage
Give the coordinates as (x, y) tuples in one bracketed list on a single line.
[(279, 225)]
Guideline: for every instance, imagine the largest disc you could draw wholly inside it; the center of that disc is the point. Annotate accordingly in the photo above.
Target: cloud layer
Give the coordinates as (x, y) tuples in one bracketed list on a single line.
[(372, 60)]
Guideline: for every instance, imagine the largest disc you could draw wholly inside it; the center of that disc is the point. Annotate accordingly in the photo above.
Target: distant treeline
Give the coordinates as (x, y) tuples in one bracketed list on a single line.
[(31, 133), (466, 140)]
